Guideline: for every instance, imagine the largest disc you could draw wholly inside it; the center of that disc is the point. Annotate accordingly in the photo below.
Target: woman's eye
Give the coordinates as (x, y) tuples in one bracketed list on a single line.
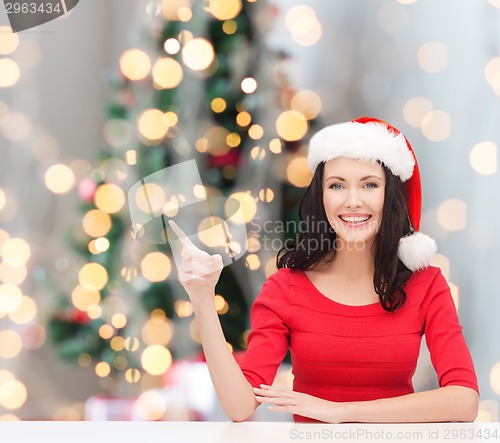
[(335, 186), (371, 185)]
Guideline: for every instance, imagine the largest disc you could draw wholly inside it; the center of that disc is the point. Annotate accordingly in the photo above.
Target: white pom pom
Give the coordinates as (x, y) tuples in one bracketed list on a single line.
[(416, 251)]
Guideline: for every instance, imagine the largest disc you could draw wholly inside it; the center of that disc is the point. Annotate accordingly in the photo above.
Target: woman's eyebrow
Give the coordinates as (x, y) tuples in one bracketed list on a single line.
[(366, 177)]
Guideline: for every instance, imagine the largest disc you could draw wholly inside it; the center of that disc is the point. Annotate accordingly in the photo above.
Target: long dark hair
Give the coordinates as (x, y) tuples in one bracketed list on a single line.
[(318, 241)]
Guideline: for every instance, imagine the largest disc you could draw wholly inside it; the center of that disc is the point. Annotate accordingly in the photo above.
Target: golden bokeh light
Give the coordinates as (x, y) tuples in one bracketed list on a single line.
[(9, 41), (106, 331), (256, 132), (442, 262), (167, 73), (415, 110), (194, 331), (233, 139), (101, 244), (307, 102), (84, 360), (109, 198), (433, 57), (224, 9), (9, 72), (452, 215), (247, 204), (436, 126), (266, 195), (221, 304), (218, 105), (275, 146), (157, 331), (119, 320), (59, 179), (96, 223), (252, 262), (132, 344), (492, 73), (11, 344), (249, 85), (83, 298), (152, 125), (132, 375), (94, 312), (455, 294), (495, 378), (14, 274), (151, 406), (93, 276), (150, 198), (13, 394), (229, 27), (102, 369), (16, 251), (156, 266), (270, 267), (291, 125), (198, 54), (117, 343), (10, 297), (216, 137), (212, 231), (156, 359), (135, 64), (243, 119), (173, 9), (131, 157), (26, 311), (3, 199), (298, 172), (183, 308), (172, 46), (303, 24), (483, 158), (257, 153)]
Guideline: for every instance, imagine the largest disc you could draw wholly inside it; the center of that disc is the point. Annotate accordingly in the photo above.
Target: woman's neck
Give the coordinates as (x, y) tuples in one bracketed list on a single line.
[(353, 263)]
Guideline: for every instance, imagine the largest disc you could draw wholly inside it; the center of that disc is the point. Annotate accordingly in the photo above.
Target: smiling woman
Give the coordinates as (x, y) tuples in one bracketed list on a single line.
[(351, 299)]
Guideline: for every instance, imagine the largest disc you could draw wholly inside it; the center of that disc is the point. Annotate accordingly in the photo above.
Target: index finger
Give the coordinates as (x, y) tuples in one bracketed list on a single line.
[(184, 239)]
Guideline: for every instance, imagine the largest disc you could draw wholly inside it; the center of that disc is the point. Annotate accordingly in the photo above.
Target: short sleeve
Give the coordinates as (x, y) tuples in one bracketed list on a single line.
[(449, 353), (268, 339)]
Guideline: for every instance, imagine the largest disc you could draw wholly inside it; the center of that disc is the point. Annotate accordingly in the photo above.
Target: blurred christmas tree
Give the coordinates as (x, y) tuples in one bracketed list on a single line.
[(204, 86)]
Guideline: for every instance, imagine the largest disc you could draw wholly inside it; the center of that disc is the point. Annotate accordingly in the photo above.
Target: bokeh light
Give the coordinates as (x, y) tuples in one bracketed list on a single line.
[(452, 215), (198, 54), (135, 64), (304, 25), (93, 276), (415, 110), (13, 394), (298, 172), (433, 57), (9, 72), (436, 126), (157, 331), (156, 266), (495, 378), (11, 344), (16, 251), (291, 125), (109, 198), (17, 126), (150, 198), (172, 46), (9, 41), (483, 158), (152, 125), (151, 405), (307, 103), (167, 73), (156, 359), (59, 179), (249, 85), (83, 298), (247, 204), (96, 223), (26, 311), (224, 9)]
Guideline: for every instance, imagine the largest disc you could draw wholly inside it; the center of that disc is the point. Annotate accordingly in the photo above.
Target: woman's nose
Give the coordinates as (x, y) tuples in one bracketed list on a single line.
[(353, 200)]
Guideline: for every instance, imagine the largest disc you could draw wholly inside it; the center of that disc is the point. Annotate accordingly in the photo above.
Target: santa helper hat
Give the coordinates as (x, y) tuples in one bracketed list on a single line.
[(370, 139)]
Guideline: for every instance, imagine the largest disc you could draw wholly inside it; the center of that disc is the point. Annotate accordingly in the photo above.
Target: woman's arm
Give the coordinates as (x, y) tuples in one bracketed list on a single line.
[(199, 273), (446, 404), (233, 390)]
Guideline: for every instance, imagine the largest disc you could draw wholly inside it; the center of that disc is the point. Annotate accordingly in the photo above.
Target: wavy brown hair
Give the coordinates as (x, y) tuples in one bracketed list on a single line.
[(317, 242)]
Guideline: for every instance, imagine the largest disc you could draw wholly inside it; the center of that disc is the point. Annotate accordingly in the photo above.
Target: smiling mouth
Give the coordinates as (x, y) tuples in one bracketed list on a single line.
[(354, 220)]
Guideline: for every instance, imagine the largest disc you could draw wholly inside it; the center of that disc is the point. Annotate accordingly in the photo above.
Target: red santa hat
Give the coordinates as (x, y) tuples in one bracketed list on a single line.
[(367, 138)]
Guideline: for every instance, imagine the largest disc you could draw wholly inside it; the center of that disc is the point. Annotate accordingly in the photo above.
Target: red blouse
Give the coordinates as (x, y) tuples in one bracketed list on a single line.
[(353, 353)]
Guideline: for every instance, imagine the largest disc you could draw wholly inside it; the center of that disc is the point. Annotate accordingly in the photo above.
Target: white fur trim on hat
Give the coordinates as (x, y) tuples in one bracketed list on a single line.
[(416, 251), (365, 141)]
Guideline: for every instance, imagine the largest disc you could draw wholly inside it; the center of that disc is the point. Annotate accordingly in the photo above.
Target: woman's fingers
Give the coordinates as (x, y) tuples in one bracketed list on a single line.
[(184, 239)]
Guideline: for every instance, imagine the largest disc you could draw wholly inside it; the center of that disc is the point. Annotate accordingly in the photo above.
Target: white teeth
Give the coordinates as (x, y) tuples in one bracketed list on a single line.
[(354, 219)]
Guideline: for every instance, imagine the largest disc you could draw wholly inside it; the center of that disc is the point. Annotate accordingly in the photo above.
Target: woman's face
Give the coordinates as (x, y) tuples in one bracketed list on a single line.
[(353, 197)]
